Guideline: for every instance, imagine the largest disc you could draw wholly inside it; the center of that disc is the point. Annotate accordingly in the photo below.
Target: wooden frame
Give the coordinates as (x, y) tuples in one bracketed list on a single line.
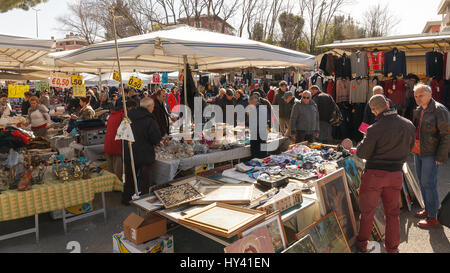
[(306, 243), (215, 213), (177, 195), (338, 201), (412, 182), (258, 241), (301, 234), (229, 194), (270, 219)]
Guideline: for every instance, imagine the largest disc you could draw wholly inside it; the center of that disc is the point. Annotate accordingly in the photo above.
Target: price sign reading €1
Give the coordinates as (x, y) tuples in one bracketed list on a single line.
[(135, 83), (116, 76), (77, 80), (17, 91), (60, 80)]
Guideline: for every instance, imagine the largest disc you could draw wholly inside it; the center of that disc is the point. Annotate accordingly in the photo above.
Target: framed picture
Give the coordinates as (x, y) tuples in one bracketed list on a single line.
[(275, 226), (327, 235), (229, 194), (177, 195), (333, 195), (379, 220), (256, 242), (353, 167), (413, 184), (223, 219), (304, 245)]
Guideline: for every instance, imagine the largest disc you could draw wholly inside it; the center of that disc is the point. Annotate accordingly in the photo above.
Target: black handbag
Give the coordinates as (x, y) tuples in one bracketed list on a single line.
[(444, 212)]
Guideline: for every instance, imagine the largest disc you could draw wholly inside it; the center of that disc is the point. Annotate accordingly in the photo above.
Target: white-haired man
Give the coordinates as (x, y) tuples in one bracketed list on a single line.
[(305, 119), (431, 150), (146, 135), (369, 117)]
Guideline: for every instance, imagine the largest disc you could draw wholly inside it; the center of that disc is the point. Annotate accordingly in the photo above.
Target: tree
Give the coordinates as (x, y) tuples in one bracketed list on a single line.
[(343, 28), (291, 30), (258, 32), (379, 21), (82, 21), (8, 5)]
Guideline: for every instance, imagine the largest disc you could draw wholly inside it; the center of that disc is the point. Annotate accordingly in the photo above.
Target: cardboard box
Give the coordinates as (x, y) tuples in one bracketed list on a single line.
[(163, 244), (141, 229)]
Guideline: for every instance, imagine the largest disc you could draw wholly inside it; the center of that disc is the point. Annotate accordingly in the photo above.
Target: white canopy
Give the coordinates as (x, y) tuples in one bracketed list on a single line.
[(165, 50), (92, 80), (20, 53)]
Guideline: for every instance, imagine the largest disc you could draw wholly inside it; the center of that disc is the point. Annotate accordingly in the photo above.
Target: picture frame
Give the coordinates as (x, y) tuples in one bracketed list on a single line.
[(333, 195), (275, 226), (258, 241), (327, 235), (379, 220), (304, 245), (223, 219), (177, 195), (229, 194), (413, 184)]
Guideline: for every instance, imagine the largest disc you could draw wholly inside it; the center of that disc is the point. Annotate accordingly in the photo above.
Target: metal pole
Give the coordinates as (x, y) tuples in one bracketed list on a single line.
[(185, 59), (111, 10), (100, 80), (37, 25)]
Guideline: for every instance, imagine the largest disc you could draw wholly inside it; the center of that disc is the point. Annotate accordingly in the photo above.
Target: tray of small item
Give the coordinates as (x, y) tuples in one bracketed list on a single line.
[(273, 181)]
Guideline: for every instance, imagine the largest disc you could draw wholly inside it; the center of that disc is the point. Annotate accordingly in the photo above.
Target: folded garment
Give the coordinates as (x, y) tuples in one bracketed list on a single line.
[(241, 167)]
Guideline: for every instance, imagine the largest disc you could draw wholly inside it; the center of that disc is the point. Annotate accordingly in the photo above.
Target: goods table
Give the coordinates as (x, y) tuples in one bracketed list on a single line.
[(52, 196)]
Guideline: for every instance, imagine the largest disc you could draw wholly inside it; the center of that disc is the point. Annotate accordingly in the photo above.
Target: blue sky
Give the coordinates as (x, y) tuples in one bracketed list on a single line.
[(412, 13)]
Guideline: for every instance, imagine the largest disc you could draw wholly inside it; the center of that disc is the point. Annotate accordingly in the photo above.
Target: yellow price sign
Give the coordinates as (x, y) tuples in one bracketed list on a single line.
[(77, 80), (79, 91), (116, 76), (17, 91), (135, 83)]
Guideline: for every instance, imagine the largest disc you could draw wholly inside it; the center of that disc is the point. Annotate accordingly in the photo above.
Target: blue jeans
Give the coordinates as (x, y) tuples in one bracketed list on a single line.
[(427, 171)]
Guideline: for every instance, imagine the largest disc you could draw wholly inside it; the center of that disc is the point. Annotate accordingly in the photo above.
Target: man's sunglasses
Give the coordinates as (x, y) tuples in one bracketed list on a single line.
[(306, 98)]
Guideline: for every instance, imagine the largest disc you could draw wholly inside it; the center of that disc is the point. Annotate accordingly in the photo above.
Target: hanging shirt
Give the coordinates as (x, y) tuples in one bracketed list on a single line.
[(395, 90), (437, 88), (375, 62), (359, 91), (330, 66), (395, 63), (330, 89), (342, 91), (343, 67), (358, 62), (434, 64)]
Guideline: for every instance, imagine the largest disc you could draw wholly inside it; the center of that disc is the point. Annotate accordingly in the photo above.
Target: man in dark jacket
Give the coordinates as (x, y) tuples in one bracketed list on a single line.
[(160, 111), (259, 91), (283, 108), (26, 103), (431, 150), (227, 101), (325, 105), (369, 117), (386, 148), (147, 136)]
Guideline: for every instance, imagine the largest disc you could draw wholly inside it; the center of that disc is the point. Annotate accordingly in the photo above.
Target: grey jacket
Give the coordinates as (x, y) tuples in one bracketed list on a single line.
[(285, 110), (359, 68), (305, 117)]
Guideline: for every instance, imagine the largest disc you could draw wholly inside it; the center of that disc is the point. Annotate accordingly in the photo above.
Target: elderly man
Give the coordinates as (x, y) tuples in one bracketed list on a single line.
[(147, 136), (284, 109), (305, 119), (160, 111), (325, 105), (386, 148), (369, 117), (431, 150)]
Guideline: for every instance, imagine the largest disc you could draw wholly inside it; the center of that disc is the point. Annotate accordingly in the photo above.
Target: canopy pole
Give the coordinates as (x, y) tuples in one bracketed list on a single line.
[(185, 59), (100, 80), (133, 168)]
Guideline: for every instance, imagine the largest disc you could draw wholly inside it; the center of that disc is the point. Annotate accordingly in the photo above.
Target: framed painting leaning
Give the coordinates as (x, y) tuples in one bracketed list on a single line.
[(333, 195)]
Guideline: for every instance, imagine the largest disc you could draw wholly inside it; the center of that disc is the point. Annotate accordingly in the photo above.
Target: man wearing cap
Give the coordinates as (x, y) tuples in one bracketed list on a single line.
[(386, 147), (305, 119), (369, 117), (326, 106), (284, 110)]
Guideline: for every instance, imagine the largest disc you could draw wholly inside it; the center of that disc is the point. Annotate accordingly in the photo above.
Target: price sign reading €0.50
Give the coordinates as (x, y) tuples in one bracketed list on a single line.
[(116, 76), (135, 83), (77, 80), (60, 80)]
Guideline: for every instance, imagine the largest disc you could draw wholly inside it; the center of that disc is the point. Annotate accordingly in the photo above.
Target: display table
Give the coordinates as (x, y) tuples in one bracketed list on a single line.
[(54, 195), (166, 170)]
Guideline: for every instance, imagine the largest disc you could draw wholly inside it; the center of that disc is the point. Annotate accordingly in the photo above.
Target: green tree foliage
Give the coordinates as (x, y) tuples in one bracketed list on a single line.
[(291, 30), (7, 5)]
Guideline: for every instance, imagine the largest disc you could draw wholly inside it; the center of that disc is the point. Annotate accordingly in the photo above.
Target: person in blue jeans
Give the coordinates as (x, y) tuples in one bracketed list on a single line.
[(431, 150)]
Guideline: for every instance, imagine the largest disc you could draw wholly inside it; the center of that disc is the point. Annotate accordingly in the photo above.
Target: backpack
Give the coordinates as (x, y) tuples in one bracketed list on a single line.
[(336, 117), (444, 212)]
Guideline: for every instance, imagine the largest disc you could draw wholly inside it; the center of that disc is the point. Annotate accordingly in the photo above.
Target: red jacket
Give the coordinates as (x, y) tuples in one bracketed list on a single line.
[(271, 95), (173, 100), (113, 146), (375, 61)]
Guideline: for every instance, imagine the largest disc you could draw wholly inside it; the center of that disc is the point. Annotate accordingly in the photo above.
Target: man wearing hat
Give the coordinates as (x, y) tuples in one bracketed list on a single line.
[(386, 147)]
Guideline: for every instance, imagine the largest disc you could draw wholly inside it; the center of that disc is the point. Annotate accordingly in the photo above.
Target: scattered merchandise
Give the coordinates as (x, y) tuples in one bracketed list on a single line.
[(177, 195)]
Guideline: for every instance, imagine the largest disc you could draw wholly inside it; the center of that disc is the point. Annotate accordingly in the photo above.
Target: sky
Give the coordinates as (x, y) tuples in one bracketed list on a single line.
[(413, 16)]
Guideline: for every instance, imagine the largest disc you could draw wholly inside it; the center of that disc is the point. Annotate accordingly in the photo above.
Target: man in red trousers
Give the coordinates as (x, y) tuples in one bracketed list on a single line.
[(386, 147)]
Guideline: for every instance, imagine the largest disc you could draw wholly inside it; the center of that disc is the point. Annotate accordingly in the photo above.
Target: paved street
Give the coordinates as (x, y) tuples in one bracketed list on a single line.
[(95, 236)]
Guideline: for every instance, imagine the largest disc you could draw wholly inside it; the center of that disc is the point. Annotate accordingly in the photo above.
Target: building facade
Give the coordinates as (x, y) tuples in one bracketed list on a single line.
[(70, 42), (213, 23)]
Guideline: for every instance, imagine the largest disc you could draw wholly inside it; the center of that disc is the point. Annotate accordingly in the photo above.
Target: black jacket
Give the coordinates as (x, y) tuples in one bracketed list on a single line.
[(162, 117), (325, 105), (369, 117), (261, 93), (25, 106), (285, 110), (387, 143), (146, 135), (397, 67), (434, 131), (343, 67), (434, 64), (223, 103)]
